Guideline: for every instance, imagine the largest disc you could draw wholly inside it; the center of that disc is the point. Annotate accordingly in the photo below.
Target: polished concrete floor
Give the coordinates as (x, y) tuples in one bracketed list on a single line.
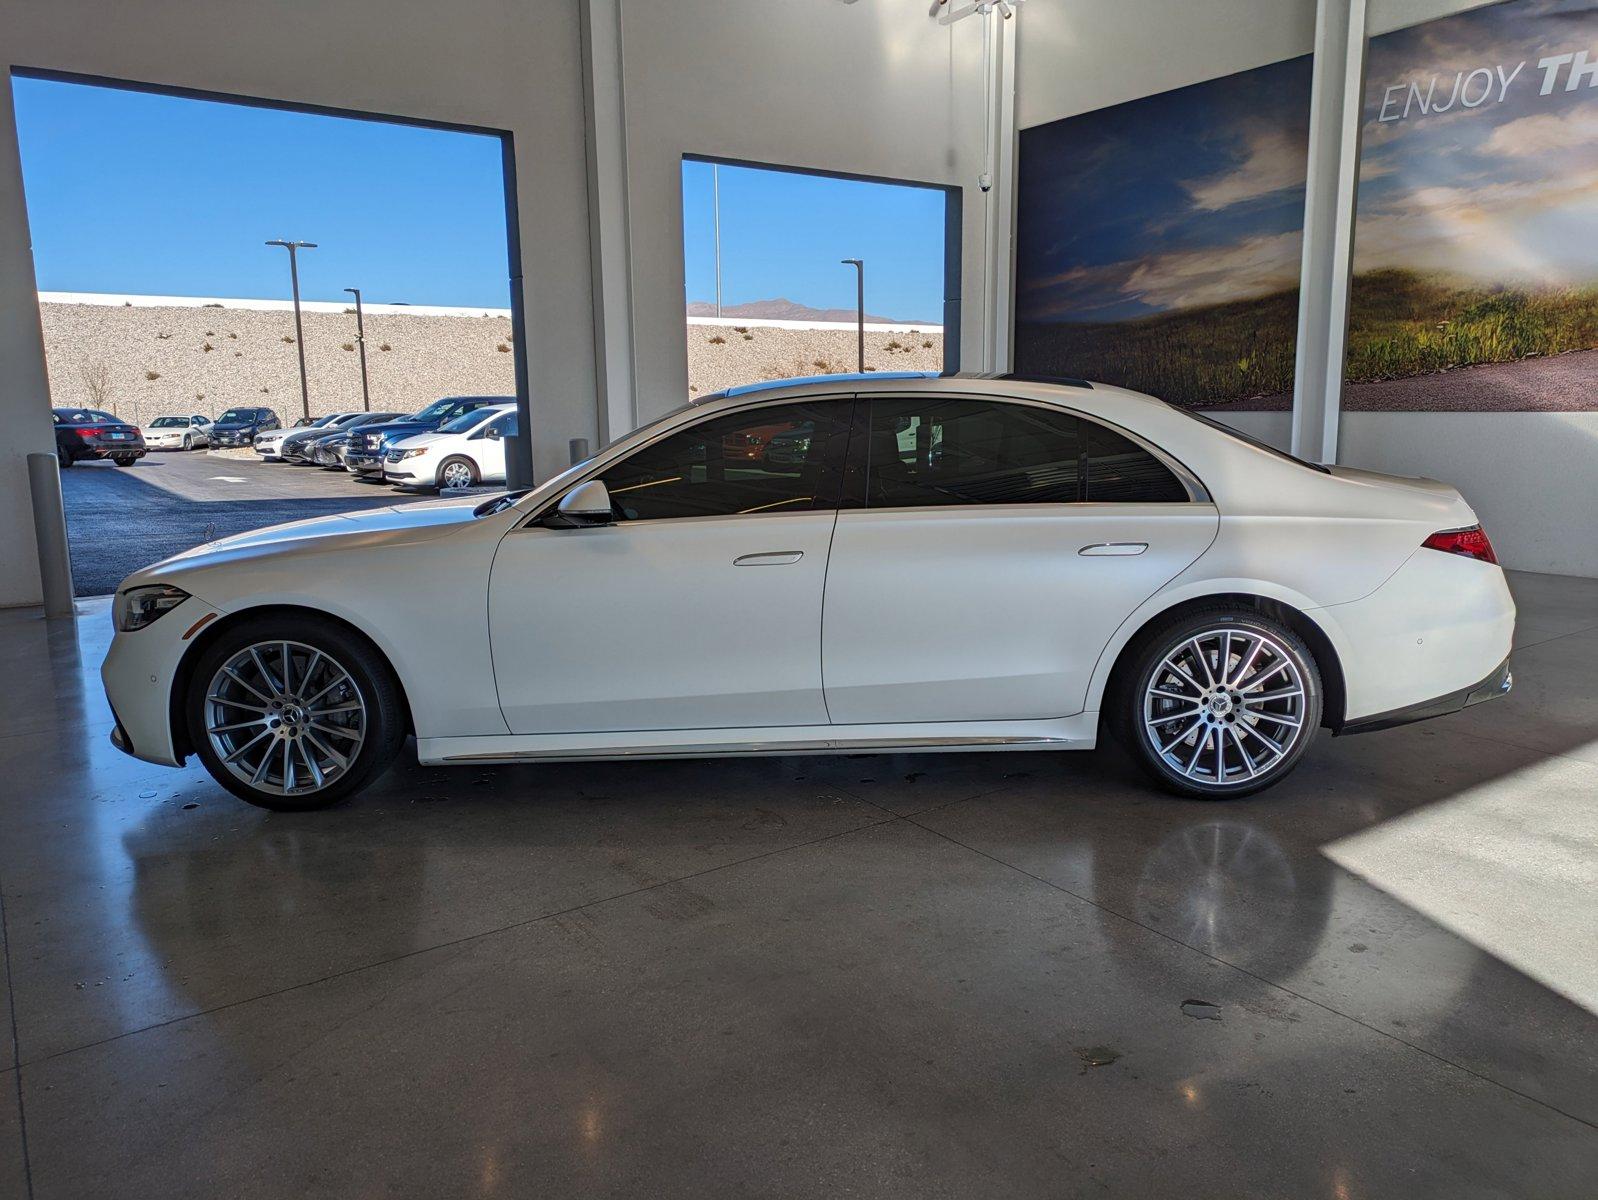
[(957, 975)]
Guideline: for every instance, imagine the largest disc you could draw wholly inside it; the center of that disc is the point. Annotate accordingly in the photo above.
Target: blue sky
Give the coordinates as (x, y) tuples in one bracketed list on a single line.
[(1182, 199), (783, 234), (140, 193)]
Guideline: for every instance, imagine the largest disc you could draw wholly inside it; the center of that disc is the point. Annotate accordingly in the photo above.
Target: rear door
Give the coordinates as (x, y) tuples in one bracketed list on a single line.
[(986, 552)]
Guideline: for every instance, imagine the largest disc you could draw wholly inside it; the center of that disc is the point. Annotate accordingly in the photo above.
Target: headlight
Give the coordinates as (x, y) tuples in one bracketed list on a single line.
[(411, 453), (138, 607)]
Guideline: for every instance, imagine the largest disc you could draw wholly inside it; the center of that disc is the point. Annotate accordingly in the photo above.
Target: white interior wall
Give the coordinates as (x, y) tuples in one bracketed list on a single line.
[(1530, 476), (878, 88), (504, 64)]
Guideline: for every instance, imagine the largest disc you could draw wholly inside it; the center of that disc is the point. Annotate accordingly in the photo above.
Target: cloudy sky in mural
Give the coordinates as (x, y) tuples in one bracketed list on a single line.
[(1480, 156), (1187, 198)]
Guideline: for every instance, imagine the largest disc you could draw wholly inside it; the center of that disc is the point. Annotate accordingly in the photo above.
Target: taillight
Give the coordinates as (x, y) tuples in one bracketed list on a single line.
[(1472, 543), (88, 431)]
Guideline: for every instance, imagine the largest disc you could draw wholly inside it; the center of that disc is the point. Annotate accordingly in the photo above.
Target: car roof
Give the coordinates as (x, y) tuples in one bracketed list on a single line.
[(893, 380)]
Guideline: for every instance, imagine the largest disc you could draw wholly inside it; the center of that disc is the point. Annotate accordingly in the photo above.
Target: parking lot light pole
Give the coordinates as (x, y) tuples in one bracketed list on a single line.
[(859, 307), (360, 340), (299, 333)]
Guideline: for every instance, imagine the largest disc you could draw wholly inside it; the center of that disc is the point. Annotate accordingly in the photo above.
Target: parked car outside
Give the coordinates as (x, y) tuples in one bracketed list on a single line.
[(238, 426), (461, 453), (88, 433), (369, 445), (1116, 565), (178, 433), (329, 449), (269, 442)]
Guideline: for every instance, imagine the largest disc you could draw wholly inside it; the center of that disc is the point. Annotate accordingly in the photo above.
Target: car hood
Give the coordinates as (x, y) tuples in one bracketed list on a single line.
[(333, 534), (232, 428), (417, 441), (399, 428)]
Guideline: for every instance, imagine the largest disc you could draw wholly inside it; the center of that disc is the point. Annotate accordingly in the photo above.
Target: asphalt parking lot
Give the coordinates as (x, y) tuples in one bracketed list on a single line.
[(120, 519)]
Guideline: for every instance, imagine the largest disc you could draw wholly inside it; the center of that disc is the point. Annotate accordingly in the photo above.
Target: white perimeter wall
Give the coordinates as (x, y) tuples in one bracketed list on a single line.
[(1532, 477)]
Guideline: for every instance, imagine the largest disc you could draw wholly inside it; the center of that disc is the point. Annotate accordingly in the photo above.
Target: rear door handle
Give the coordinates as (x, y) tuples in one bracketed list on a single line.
[(772, 558), (1116, 548)]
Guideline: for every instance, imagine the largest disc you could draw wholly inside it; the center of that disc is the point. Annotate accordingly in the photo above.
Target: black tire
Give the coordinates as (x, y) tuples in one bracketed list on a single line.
[(63, 456), (1224, 724), (188, 441), (473, 478), (373, 680), (124, 460)]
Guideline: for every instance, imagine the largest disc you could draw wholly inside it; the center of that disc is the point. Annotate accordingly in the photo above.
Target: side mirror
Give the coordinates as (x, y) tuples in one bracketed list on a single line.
[(586, 505), (493, 433)]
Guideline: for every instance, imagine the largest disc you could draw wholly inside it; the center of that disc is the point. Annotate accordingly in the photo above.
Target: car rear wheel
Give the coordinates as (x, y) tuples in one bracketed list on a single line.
[(62, 456), (457, 473), (293, 713), (1219, 703), (124, 460)]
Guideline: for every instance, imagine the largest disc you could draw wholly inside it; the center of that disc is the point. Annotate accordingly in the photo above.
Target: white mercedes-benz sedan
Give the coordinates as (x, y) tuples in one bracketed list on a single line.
[(862, 563)]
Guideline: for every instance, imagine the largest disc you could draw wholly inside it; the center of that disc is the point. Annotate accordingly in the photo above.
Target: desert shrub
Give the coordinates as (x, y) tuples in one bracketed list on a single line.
[(749, 337), (503, 348), (927, 345), (152, 376), (349, 346), (287, 340), (385, 346), (208, 347), (740, 329), (717, 340)]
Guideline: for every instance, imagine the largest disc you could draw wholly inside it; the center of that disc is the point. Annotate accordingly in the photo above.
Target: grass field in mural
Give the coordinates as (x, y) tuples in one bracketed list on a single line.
[(1402, 323)]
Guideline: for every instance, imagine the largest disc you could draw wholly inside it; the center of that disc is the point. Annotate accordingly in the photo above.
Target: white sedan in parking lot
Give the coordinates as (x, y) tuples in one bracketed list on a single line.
[(1003, 564), (177, 433), (461, 453)]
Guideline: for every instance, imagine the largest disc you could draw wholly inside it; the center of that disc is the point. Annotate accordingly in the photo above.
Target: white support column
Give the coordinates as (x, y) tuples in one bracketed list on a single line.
[(999, 215), (1336, 100), (25, 388), (605, 113)]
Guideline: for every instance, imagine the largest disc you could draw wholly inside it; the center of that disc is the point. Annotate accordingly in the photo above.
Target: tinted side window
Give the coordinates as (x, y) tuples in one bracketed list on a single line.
[(777, 459), (1120, 471), (928, 451)]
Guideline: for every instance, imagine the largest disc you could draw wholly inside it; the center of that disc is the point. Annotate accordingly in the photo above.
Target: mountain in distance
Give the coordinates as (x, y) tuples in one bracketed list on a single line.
[(788, 310)]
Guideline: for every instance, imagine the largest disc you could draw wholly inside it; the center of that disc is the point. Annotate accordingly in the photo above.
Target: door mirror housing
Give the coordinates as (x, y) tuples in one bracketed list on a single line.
[(586, 505), (493, 433)]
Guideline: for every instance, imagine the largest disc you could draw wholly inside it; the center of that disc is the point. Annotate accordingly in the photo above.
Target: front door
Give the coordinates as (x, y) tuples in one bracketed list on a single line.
[(992, 551), (699, 607)]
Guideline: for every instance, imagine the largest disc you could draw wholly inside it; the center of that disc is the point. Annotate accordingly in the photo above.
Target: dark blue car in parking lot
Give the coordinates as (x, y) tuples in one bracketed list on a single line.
[(369, 443)]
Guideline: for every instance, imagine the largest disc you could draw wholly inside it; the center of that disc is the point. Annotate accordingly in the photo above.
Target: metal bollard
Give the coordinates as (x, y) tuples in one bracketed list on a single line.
[(516, 477), (50, 532)]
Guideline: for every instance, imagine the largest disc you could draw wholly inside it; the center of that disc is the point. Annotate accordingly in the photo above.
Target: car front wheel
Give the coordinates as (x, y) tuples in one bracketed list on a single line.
[(1220, 703), (293, 713), (457, 473)]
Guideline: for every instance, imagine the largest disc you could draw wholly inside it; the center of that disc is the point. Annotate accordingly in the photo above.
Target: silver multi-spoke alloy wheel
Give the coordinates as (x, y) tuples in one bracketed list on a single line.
[(456, 475), (1225, 707), (285, 718)]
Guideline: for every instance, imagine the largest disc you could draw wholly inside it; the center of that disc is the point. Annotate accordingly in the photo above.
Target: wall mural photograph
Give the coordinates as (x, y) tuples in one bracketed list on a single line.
[(1476, 241), (1158, 241)]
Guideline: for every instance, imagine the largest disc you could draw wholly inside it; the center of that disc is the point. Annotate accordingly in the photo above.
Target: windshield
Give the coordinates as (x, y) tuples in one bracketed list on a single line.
[(1252, 441), (168, 422), (466, 422), (437, 409), (236, 416)]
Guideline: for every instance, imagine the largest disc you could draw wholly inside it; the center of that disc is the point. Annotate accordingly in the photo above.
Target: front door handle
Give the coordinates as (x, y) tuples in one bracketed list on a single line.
[(1116, 548), (772, 558)]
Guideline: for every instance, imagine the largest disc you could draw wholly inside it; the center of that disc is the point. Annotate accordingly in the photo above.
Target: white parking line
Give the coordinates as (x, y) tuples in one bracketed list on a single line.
[(229, 478)]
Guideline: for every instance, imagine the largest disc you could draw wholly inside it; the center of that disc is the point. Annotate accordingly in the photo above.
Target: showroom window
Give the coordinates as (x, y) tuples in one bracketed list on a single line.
[(783, 458), (926, 452)]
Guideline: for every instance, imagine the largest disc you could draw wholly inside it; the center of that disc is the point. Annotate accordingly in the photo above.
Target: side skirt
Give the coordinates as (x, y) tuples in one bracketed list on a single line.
[(1068, 733)]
